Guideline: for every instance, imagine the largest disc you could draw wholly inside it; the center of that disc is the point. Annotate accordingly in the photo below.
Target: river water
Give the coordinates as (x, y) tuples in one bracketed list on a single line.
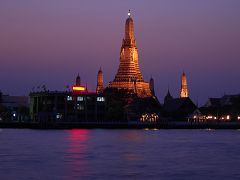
[(119, 154)]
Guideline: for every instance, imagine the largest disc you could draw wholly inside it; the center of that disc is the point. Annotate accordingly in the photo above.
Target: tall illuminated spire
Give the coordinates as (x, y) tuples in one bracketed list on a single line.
[(129, 39), (100, 87), (129, 76), (184, 88)]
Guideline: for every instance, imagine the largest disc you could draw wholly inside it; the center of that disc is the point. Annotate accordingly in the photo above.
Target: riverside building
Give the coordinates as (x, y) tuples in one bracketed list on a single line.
[(74, 106)]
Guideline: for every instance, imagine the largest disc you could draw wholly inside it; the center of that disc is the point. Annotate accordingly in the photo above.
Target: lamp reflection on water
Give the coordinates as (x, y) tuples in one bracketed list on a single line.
[(77, 151)]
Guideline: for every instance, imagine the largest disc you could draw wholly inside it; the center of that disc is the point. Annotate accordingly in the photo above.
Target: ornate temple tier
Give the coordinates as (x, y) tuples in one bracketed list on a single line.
[(129, 76), (140, 88)]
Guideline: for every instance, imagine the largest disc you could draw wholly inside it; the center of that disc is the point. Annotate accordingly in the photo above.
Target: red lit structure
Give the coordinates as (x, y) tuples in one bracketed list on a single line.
[(78, 89)]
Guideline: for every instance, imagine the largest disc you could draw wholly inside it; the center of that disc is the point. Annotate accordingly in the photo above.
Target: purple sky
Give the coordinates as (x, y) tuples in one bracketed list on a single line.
[(50, 41)]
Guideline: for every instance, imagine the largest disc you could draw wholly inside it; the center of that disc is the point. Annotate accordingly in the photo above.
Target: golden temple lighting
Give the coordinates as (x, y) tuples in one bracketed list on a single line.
[(184, 88), (149, 117), (128, 76)]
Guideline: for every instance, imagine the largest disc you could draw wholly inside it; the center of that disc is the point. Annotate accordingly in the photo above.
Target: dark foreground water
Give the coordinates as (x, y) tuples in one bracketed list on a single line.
[(119, 154)]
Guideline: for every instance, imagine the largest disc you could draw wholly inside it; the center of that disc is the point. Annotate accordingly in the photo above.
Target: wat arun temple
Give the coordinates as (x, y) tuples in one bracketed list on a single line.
[(128, 98), (128, 76)]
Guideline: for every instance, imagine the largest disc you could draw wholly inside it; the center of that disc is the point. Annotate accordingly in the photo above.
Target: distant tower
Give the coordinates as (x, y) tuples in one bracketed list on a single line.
[(100, 87), (78, 80), (184, 89), (151, 85), (168, 97)]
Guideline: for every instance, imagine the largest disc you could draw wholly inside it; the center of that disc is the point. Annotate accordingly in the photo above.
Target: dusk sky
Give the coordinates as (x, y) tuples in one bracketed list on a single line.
[(48, 42)]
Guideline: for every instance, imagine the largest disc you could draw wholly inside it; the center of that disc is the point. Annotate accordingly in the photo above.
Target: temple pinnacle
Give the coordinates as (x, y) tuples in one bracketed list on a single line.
[(100, 87), (184, 88), (129, 13)]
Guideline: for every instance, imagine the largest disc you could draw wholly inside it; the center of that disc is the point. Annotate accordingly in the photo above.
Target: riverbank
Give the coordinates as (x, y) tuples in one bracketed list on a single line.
[(122, 125)]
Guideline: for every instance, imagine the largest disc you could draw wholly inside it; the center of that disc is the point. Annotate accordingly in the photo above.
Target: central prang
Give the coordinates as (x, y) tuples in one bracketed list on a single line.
[(129, 76)]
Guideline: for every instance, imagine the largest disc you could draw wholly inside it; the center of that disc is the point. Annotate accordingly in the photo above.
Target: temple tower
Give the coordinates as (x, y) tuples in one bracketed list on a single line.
[(78, 80), (184, 89), (151, 84), (100, 87), (168, 97), (129, 76)]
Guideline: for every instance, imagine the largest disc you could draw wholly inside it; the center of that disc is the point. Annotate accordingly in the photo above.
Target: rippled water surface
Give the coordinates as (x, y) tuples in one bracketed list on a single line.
[(119, 154)]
